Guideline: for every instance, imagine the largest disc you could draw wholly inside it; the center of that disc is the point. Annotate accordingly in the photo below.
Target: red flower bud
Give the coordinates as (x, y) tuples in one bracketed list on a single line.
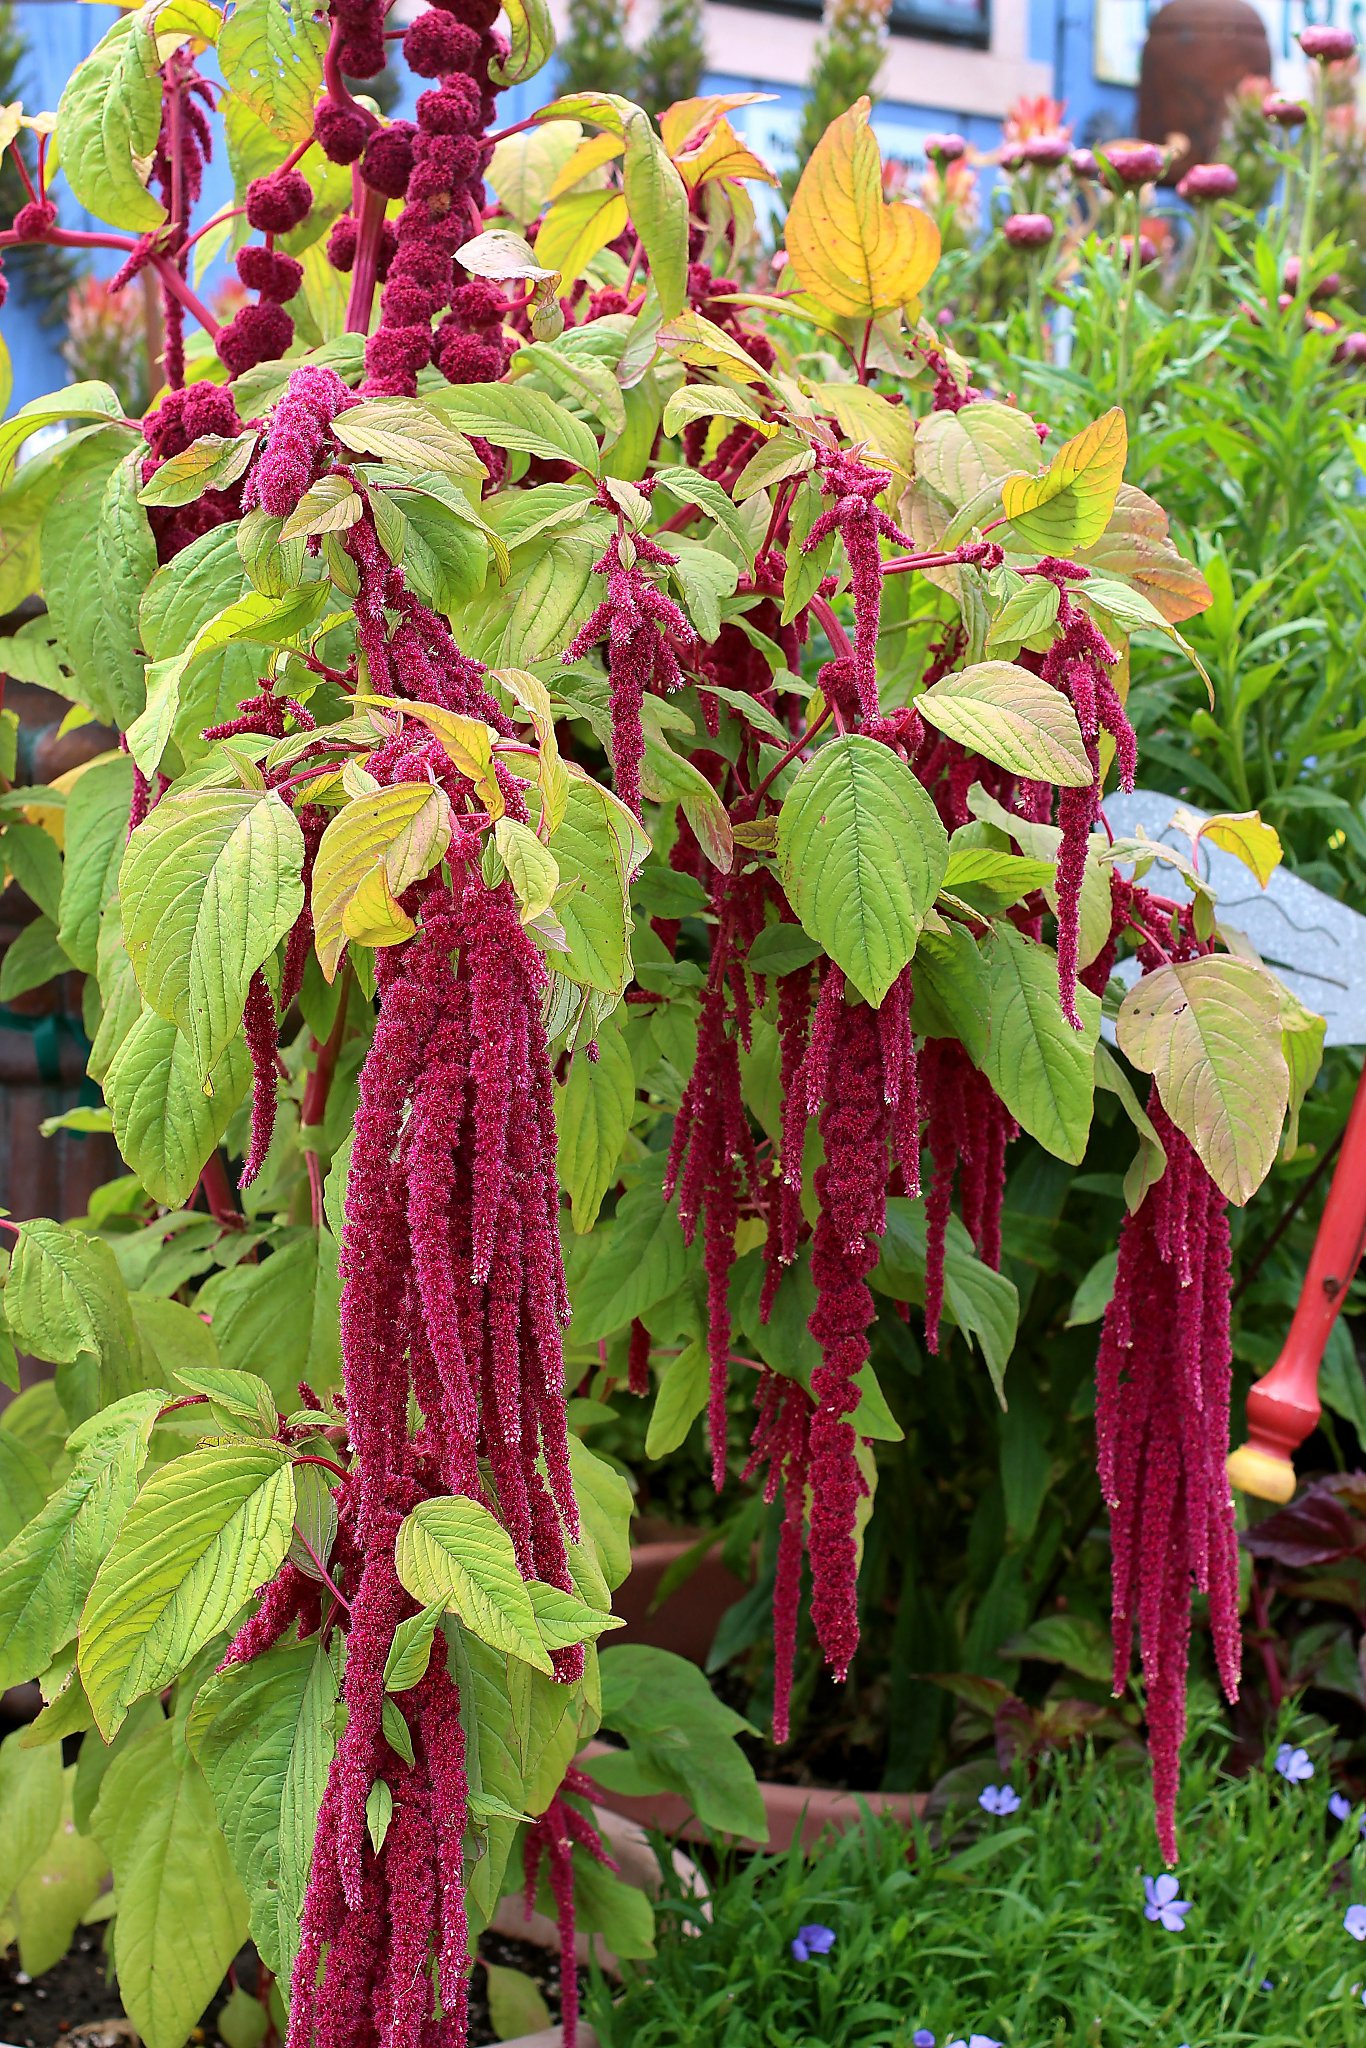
[(436, 44), (278, 203), (1328, 45), (1028, 230), (269, 272), (1135, 163), (256, 334), (1285, 113), (1206, 182), (341, 131)]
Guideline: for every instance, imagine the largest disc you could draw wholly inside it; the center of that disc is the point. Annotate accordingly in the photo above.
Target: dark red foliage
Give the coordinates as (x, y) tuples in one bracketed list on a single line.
[(341, 130), (255, 334), (967, 1134), (387, 163), (860, 522), (269, 272), (1162, 1431), (277, 203)]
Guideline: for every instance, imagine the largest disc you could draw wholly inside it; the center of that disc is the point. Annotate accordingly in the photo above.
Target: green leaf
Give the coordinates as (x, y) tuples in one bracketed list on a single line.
[(408, 431), (372, 850), (182, 1915), (165, 1123), (241, 1397), (52, 1897), (1012, 717), (31, 960), (520, 419), (49, 1567), (982, 1303), (264, 1735), (453, 1552), (210, 884), (532, 868), (211, 463), (516, 2007), (695, 489), (1068, 505), (203, 1534), (65, 1295), (531, 39), (331, 506), (90, 401), (606, 1505), (593, 1111), (101, 618), (271, 57), (108, 122), (95, 835), (35, 861), (681, 1398), (657, 200), (683, 1735), (960, 454), (861, 854), (24, 1482), (600, 848), (379, 1811), (411, 1650), (30, 1806), (1094, 1289), (1209, 1033), (782, 949), (1030, 611), (1041, 1068), (250, 620), (1072, 1640), (637, 1259), (1302, 1036)]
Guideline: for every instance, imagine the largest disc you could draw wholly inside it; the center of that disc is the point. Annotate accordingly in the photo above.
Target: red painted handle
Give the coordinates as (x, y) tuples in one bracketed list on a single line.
[(1283, 1406)]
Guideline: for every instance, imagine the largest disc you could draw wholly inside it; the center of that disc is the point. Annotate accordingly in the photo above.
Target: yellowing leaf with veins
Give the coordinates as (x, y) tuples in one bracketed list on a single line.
[(1244, 833), (402, 831), (690, 122), (372, 916), (855, 251), (1068, 505)]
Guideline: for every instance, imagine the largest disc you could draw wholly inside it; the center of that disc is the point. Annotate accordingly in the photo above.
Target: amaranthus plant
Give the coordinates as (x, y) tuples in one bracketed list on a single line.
[(534, 889)]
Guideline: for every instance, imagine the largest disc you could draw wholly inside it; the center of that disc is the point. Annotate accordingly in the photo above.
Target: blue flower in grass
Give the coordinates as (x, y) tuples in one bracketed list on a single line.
[(1340, 1806), (1000, 1800), (814, 1940), (1294, 1764), (977, 2041), (1354, 1920), (922, 2038), (1163, 1904)]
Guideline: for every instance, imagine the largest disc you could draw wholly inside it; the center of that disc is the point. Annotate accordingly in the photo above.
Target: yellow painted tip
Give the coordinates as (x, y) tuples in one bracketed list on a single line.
[(1258, 1473)]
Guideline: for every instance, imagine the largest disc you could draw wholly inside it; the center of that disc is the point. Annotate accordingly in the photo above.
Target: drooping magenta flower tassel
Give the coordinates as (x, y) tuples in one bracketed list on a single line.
[(1163, 1379)]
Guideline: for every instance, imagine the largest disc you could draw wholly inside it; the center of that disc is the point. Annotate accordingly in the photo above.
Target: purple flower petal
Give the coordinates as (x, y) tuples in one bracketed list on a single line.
[(1354, 1920)]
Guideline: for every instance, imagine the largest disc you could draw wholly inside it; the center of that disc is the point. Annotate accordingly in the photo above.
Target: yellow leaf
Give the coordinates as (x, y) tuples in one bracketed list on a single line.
[(371, 916), (577, 228), (588, 157), (1068, 505), (855, 251), (1243, 833), (532, 868), (402, 831), (468, 741), (887, 430), (704, 346), (530, 693), (687, 123)]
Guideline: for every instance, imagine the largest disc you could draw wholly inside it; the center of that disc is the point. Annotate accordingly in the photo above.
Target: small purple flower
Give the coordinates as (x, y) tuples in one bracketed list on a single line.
[(1340, 1806), (1267, 1984), (814, 1940), (977, 2041), (1000, 1800), (922, 2038), (1165, 1907), (1354, 1920), (1293, 1764)]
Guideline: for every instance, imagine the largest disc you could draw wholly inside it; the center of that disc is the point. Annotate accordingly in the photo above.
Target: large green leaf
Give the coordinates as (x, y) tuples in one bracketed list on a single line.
[(181, 1914), (531, 40), (49, 1567), (24, 1482), (599, 848), (96, 831), (54, 1894), (519, 419), (1042, 1069), (65, 1295), (270, 55), (861, 853), (983, 1304), (108, 122), (252, 620), (264, 1734), (1209, 1033), (211, 882), (452, 1552), (593, 1111), (1010, 716), (680, 1736), (165, 1124), (658, 203), (30, 1806), (606, 1505), (630, 1263), (203, 1534)]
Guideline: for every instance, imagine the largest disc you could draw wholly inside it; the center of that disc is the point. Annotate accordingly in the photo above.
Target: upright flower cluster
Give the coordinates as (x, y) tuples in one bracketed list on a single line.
[(436, 166), (646, 635), (1079, 663), (1162, 1429)]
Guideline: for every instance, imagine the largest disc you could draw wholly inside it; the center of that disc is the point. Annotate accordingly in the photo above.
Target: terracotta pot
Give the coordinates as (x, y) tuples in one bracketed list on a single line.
[(687, 1621), (1196, 53), (793, 1811)]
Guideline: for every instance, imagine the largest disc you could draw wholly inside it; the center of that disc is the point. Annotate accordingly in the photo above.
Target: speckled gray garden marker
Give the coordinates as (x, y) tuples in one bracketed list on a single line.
[(1316, 945)]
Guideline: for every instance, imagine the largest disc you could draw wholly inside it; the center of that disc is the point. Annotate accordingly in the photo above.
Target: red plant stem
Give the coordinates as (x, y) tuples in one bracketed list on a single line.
[(834, 631), (171, 71), (218, 1194), (370, 214), (316, 1091), (895, 564), (81, 238), (790, 753), (517, 128), (324, 1574), (307, 1458), (217, 221), (182, 1401)]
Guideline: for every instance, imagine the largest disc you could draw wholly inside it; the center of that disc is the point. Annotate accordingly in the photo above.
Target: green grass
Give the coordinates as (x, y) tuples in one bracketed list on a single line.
[(1029, 1930)]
